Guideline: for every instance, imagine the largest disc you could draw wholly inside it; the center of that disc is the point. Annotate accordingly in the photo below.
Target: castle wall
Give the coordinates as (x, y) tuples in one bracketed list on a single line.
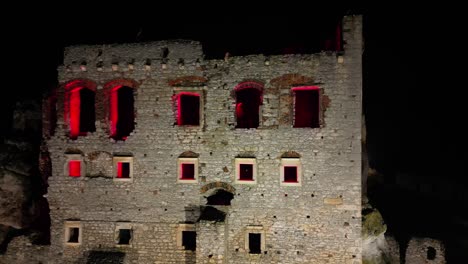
[(316, 222)]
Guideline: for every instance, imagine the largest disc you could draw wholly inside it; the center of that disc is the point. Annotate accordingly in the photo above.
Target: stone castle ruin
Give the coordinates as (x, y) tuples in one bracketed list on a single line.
[(160, 156)]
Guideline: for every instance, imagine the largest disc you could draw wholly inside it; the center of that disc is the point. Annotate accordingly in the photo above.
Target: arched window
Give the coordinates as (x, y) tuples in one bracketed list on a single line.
[(248, 101), (80, 107), (122, 113)]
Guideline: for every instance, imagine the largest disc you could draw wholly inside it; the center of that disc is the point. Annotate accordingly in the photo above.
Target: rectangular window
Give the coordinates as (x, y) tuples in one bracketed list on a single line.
[(124, 236), (123, 168), (246, 170), (74, 168), (73, 233), (306, 107), (189, 240), (255, 243), (189, 109), (187, 170), (290, 173)]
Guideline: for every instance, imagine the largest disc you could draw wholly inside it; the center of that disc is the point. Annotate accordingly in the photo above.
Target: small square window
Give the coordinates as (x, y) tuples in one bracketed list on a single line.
[(123, 168), (125, 235), (187, 170), (73, 233), (189, 240), (291, 172), (246, 170), (74, 168), (74, 165)]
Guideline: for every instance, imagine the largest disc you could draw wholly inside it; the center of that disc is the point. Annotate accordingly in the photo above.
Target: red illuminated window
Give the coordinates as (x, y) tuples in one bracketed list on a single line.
[(188, 109), (188, 171), (122, 112), (123, 170), (306, 107), (74, 168), (248, 101), (246, 170), (82, 114), (290, 173)]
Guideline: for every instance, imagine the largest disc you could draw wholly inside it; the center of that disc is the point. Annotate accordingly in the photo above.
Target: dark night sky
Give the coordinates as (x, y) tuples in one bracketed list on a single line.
[(414, 105)]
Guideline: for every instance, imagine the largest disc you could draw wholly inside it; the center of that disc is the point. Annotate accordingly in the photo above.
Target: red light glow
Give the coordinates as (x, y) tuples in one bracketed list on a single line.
[(74, 168)]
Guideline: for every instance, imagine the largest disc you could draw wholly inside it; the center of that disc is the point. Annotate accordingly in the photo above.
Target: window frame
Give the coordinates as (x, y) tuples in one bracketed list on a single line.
[(291, 162), (179, 237), (320, 110), (115, 162), (250, 161), (120, 226), (177, 92), (73, 224), (255, 230), (181, 161), (74, 157)]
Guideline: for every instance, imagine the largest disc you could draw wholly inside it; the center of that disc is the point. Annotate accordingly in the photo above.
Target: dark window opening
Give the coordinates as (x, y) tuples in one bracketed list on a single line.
[(124, 236), (87, 112), (123, 114), (188, 171), (123, 170), (306, 108), (74, 168), (246, 172), (221, 197), (189, 109), (189, 240), (247, 107), (431, 253), (290, 174), (255, 243), (73, 235)]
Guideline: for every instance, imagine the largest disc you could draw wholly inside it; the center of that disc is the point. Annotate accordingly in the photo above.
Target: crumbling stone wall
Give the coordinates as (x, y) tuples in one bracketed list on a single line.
[(316, 222), (425, 250)]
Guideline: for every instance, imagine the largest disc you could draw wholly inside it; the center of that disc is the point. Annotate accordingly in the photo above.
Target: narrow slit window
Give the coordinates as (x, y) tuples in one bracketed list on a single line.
[(188, 171), (255, 243), (189, 109), (246, 172), (290, 174), (124, 236), (189, 240), (306, 107), (74, 168), (73, 235), (123, 170)]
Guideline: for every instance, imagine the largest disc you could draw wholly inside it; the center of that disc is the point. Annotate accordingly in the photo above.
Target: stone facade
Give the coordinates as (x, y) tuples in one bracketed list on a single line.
[(317, 220)]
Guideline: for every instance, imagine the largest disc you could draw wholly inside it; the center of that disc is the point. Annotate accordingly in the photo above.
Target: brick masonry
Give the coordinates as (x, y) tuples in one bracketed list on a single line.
[(316, 222)]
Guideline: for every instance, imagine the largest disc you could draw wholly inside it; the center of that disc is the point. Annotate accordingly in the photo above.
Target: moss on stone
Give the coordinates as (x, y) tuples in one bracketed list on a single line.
[(372, 224)]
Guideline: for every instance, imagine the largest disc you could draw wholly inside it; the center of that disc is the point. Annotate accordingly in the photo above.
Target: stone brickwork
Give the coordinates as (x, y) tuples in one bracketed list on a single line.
[(318, 221), (425, 250)]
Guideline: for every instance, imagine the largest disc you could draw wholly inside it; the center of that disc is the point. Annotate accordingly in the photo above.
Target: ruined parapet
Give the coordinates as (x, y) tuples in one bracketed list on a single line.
[(425, 250)]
